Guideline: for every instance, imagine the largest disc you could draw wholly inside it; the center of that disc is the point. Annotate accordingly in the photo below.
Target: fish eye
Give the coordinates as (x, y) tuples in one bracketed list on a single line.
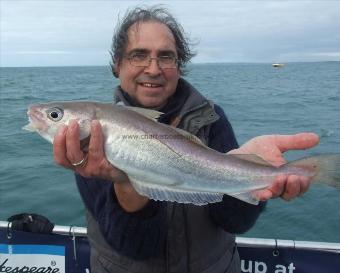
[(55, 114)]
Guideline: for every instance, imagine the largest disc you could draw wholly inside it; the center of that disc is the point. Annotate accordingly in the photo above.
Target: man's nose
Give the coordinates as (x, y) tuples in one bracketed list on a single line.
[(153, 68)]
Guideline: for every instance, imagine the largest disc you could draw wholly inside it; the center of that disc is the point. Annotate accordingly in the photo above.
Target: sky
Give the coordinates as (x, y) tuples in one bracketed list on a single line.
[(71, 33)]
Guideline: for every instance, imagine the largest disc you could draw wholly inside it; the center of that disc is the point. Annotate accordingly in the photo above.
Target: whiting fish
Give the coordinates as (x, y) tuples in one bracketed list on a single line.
[(166, 163)]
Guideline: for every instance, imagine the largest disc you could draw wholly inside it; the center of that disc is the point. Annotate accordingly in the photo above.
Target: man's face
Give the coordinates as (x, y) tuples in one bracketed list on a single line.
[(149, 86)]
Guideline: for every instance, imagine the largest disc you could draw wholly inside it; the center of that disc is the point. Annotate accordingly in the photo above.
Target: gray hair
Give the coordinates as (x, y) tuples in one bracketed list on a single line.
[(156, 14)]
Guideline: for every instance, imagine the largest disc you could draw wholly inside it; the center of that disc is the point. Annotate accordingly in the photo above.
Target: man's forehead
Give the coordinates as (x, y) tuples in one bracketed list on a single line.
[(142, 32)]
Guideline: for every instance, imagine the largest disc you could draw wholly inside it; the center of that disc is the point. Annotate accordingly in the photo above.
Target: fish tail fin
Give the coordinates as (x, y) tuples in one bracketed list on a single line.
[(325, 166)]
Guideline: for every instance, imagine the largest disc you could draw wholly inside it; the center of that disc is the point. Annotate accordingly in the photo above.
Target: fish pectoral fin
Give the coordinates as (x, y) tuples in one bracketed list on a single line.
[(151, 114), (251, 158), (161, 193), (248, 197)]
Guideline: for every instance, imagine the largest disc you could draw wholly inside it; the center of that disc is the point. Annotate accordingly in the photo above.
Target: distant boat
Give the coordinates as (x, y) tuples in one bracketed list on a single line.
[(277, 65)]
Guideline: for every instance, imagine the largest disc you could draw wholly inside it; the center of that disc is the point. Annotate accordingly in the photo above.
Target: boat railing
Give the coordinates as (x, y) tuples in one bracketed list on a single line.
[(241, 241)]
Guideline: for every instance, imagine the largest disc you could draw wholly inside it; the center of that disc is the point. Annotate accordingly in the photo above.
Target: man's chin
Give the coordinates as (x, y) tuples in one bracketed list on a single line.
[(155, 104)]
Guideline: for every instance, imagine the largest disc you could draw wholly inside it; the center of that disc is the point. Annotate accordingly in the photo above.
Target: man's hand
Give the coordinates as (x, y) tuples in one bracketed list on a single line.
[(271, 149), (67, 150)]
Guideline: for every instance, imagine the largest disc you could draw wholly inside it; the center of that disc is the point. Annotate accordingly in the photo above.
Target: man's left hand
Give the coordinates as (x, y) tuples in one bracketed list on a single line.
[(271, 149)]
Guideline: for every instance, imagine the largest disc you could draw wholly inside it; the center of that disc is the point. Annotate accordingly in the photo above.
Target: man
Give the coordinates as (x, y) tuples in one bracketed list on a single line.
[(127, 231)]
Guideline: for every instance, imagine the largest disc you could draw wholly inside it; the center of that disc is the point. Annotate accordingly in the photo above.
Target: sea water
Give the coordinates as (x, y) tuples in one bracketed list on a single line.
[(257, 98)]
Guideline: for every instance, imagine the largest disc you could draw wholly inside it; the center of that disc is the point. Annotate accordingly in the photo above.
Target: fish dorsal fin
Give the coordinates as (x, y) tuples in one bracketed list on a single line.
[(252, 158), (189, 136), (149, 113)]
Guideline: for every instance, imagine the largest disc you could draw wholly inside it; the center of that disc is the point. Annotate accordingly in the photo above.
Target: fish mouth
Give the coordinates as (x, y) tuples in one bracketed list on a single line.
[(36, 120)]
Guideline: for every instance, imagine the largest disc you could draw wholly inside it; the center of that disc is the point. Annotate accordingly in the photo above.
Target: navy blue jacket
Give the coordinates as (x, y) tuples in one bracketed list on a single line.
[(147, 228)]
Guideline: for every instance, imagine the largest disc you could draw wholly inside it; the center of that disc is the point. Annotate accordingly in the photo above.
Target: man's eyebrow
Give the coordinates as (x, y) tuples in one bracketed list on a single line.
[(138, 50), (166, 53)]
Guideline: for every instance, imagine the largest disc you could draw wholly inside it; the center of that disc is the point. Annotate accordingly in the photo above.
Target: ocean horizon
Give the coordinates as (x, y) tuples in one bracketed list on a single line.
[(190, 64)]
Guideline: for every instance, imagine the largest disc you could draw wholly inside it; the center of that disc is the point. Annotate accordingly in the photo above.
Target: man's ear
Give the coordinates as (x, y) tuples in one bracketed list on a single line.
[(116, 70)]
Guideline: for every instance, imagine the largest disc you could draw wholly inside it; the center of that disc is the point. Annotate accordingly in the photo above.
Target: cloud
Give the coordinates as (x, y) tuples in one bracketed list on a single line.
[(226, 31)]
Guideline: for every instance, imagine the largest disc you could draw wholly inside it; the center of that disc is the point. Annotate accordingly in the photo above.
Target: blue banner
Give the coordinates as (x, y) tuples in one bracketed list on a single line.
[(25, 250), (31, 252), (288, 260)]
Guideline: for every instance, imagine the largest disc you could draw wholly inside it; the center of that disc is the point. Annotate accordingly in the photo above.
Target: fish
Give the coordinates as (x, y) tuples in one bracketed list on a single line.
[(169, 164)]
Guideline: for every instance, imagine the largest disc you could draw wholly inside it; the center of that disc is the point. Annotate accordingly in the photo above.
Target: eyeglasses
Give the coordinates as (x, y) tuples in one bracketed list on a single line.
[(144, 60)]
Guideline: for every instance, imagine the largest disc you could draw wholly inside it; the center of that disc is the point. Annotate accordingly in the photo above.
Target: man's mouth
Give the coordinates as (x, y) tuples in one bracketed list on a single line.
[(150, 85)]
